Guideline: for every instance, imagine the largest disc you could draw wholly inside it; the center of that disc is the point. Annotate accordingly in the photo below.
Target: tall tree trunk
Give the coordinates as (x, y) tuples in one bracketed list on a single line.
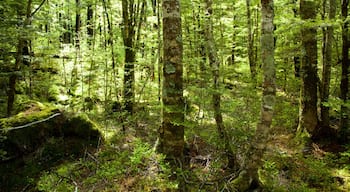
[(249, 178), (77, 23), (344, 85), (171, 133), (326, 73), (308, 119), (74, 72), (215, 67), (159, 58), (22, 49), (251, 58), (130, 57), (90, 22), (110, 41), (296, 58)]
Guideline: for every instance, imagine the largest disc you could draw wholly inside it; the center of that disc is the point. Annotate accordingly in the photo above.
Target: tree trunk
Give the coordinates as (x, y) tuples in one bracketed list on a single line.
[(159, 58), (90, 22), (130, 57), (296, 58), (344, 85), (171, 133), (22, 49), (249, 178), (326, 73), (308, 119), (215, 67), (252, 62), (77, 23)]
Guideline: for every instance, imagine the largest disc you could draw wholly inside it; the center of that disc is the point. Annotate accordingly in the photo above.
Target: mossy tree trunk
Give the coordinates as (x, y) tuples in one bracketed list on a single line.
[(296, 57), (251, 58), (171, 133), (21, 53), (90, 22), (249, 177), (308, 119), (326, 72), (215, 67), (130, 55), (344, 85)]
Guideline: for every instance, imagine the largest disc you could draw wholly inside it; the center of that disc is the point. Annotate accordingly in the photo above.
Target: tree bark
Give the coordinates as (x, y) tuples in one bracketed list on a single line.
[(130, 55), (90, 22), (296, 58), (308, 119), (22, 49), (249, 177), (216, 96), (251, 58), (344, 85), (215, 67), (171, 133), (326, 73), (77, 23)]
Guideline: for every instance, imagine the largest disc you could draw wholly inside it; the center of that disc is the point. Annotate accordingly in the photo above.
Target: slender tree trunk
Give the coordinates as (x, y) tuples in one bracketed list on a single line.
[(110, 41), (252, 62), (296, 58), (308, 119), (159, 60), (215, 67), (22, 49), (249, 178), (326, 73), (90, 22), (344, 85), (130, 57), (171, 133), (77, 23), (233, 48), (269, 88)]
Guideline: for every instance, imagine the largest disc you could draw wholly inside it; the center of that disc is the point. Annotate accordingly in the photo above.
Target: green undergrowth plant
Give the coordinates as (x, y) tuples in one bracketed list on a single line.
[(298, 173), (134, 166)]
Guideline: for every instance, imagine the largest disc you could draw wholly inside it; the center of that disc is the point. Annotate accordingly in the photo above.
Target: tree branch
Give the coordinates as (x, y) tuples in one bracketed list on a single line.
[(37, 9)]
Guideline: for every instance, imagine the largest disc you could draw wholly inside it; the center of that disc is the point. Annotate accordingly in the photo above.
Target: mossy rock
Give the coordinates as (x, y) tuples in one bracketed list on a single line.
[(23, 135), (29, 129), (49, 136), (81, 126)]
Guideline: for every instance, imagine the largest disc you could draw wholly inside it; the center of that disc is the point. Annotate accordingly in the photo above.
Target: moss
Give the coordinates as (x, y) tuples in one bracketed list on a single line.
[(241, 183), (80, 126), (39, 146), (28, 139), (32, 111)]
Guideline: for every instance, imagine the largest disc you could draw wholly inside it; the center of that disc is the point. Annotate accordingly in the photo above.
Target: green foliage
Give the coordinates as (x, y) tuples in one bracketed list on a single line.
[(137, 169), (141, 153), (61, 73), (297, 173)]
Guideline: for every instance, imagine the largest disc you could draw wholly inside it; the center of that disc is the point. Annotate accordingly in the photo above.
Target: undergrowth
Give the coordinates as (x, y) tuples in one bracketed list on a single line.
[(134, 167)]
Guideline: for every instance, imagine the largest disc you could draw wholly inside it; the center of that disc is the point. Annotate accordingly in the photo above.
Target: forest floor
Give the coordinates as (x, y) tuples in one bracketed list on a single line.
[(128, 161)]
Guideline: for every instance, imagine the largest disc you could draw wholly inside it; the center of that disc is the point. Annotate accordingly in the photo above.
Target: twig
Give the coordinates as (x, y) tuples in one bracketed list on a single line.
[(62, 177)]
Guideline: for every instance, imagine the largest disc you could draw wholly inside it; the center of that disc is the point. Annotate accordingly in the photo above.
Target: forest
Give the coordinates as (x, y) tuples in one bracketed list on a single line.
[(174, 95)]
